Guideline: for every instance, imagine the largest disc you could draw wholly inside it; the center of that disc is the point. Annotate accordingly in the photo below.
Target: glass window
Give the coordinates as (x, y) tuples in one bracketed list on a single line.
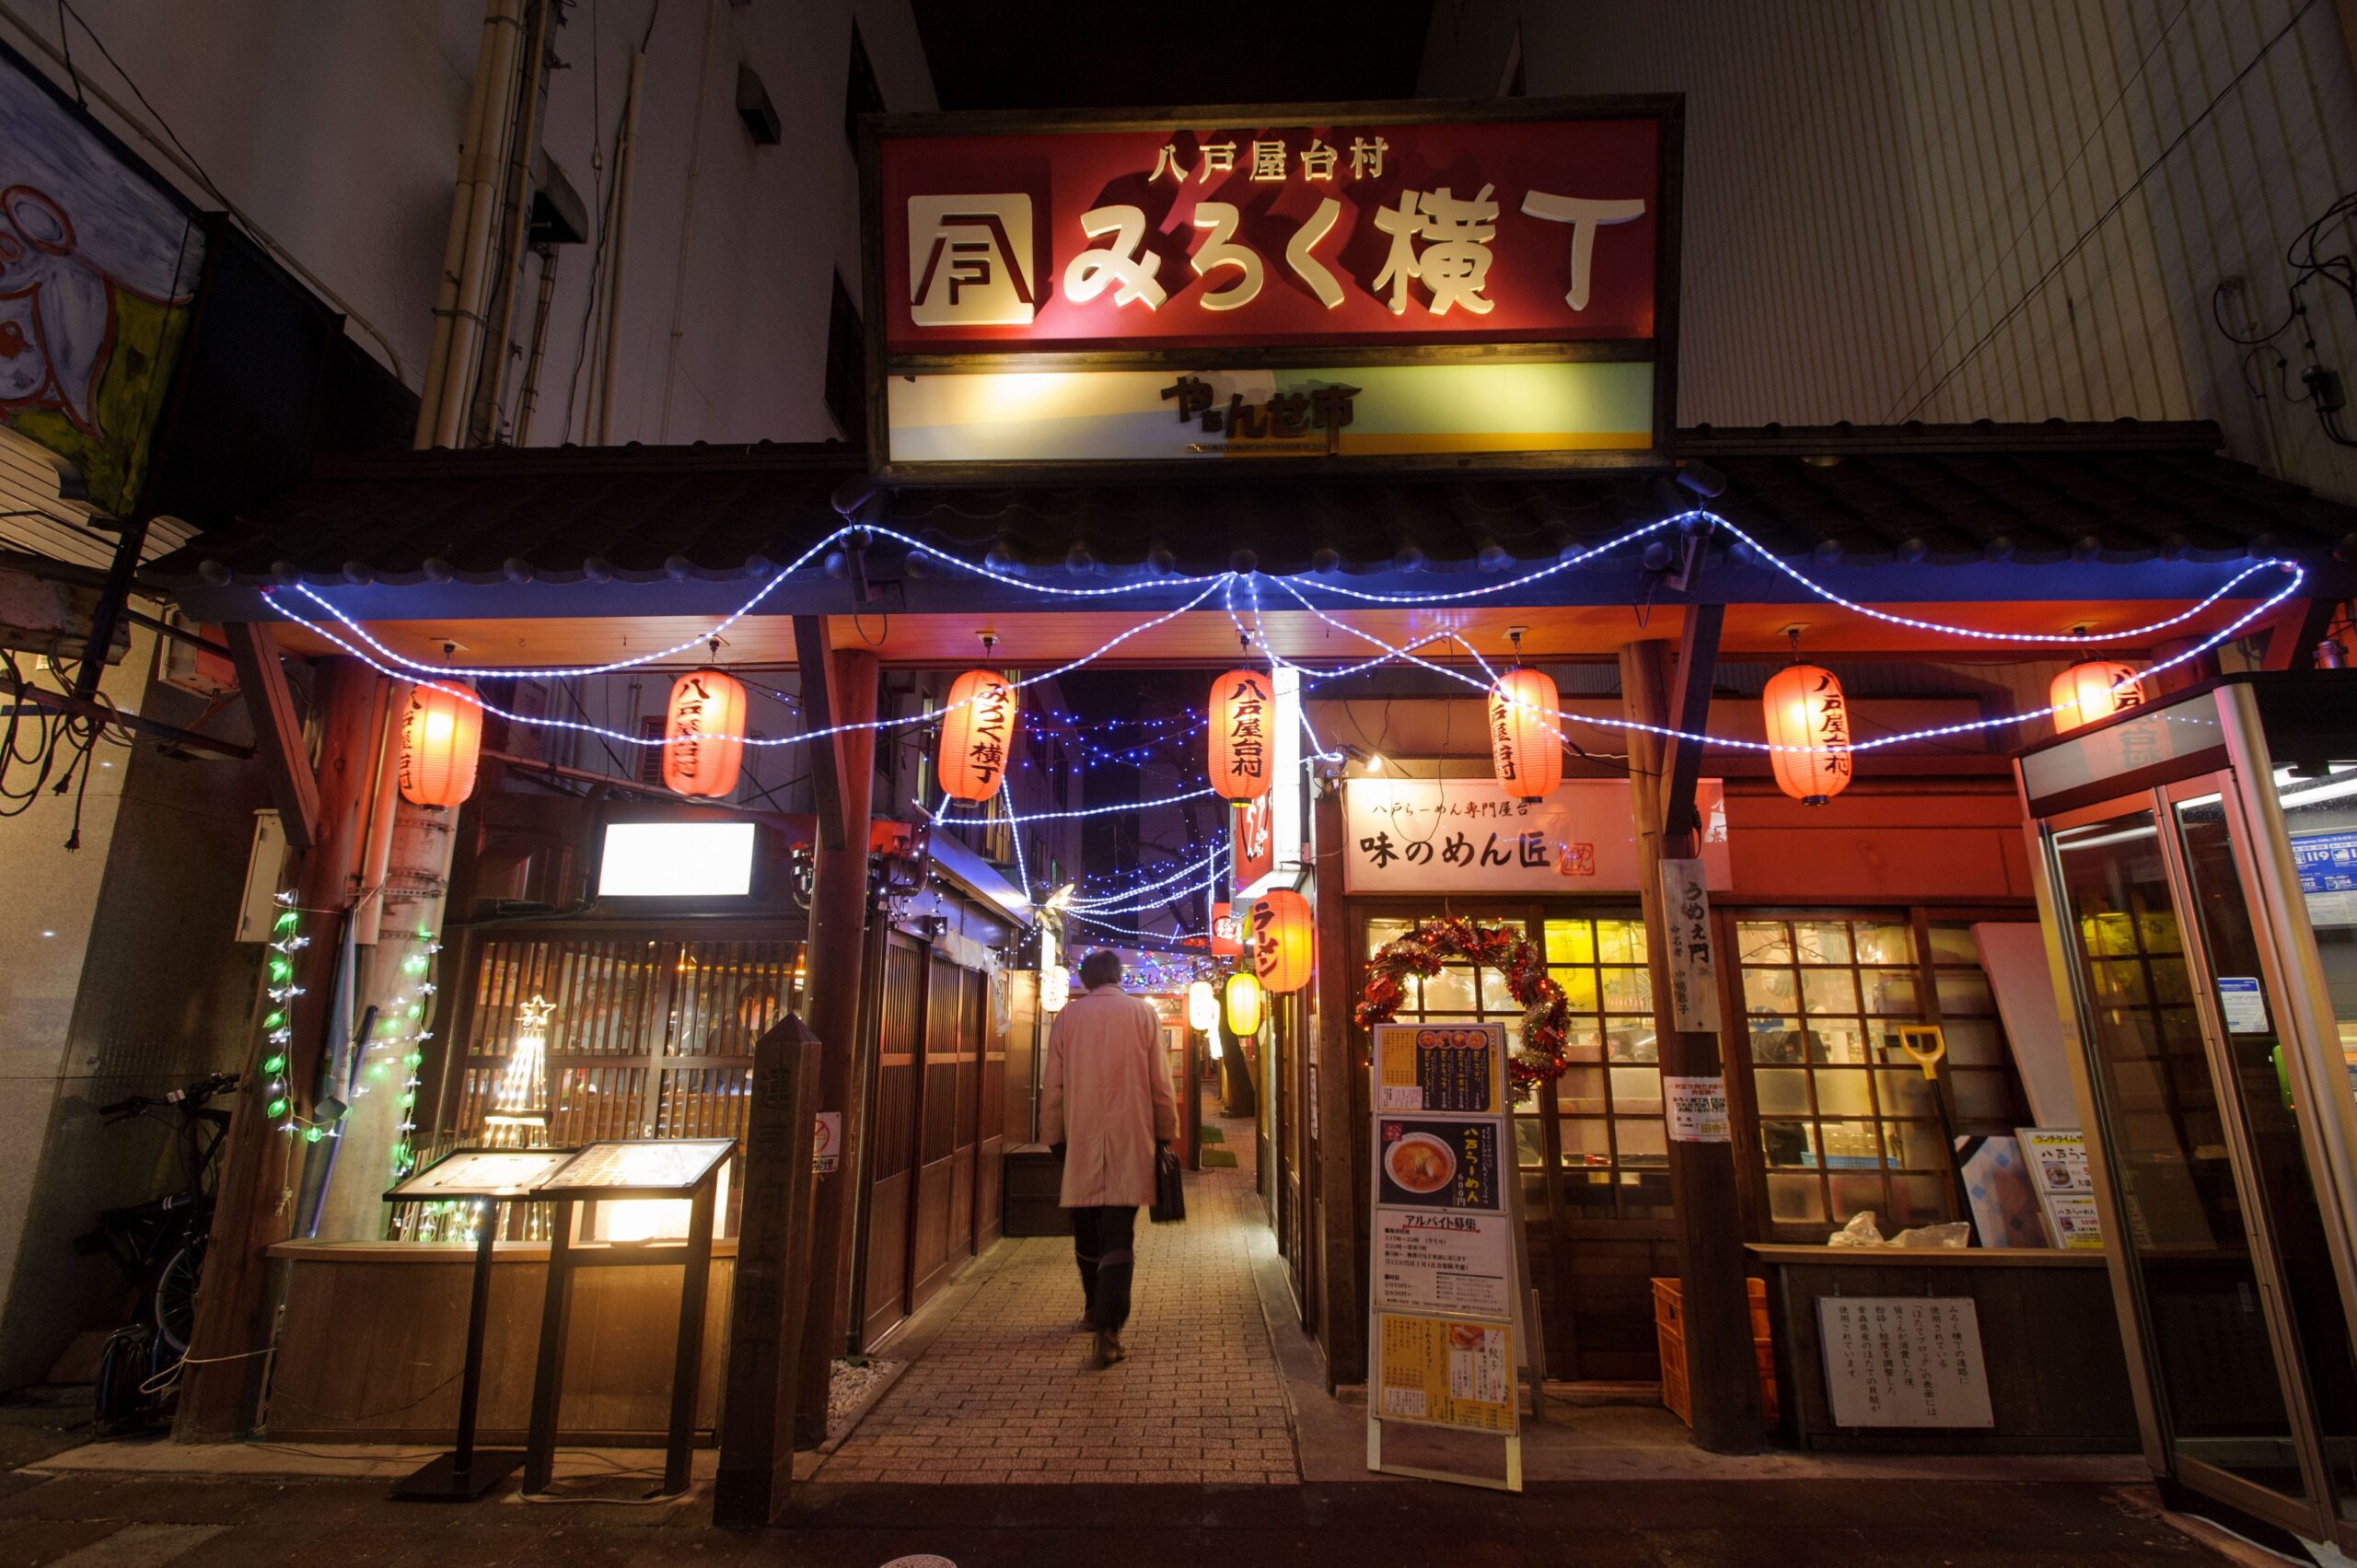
[(1609, 1113), (1848, 1121)]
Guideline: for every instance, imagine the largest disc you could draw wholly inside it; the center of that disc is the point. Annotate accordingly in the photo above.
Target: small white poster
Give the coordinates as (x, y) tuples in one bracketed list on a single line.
[(1904, 1361), (1693, 968), (1443, 1262), (1697, 1109), (2057, 1158), (2245, 1009), (827, 1142)]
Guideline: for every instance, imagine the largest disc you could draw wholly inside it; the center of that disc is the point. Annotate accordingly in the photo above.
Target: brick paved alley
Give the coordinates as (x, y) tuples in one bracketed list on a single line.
[(1006, 1391)]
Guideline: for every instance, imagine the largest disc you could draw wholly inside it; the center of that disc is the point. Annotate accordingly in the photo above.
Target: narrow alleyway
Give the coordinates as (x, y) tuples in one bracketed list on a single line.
[(1006, 1392)]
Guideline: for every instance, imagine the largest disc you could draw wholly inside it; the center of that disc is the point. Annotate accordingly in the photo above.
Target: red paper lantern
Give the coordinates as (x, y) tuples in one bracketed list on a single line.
[(441, 743), (1243, 711), (703, 733), (1285, 941), (1526, 734), (977, 733), (2096, 689), (1807, 715)]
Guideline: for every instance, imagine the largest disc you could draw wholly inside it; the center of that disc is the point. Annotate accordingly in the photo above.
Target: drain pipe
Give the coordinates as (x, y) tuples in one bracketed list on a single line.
[(687, 226), (498, 28), (480, 176), (547, 253), (515, 211), (618, 242)]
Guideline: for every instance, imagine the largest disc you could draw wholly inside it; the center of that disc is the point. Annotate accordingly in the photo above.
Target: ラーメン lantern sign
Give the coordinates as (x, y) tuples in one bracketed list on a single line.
[(1390, 285)]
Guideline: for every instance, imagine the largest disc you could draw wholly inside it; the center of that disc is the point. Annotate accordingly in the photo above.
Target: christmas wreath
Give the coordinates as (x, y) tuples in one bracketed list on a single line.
[(1431, 944)]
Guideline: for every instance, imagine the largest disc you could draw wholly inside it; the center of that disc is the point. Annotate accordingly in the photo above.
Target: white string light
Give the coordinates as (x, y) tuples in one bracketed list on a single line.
[(1117, 903)]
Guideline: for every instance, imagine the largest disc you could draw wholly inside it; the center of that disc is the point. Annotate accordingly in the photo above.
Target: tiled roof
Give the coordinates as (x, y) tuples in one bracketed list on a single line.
[(1934, 494)]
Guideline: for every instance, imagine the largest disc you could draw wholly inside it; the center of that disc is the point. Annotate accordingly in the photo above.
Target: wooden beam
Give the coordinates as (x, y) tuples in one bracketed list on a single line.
[(278, 732), (837, 689), (766, 1317), (1689, 706), (1722, 1371), (2292, 638), (1339, 1176), (815, 661)]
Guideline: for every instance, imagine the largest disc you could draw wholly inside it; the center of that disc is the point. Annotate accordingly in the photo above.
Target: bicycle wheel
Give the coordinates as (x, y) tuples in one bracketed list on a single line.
[(176, 1288), (126, 1363)]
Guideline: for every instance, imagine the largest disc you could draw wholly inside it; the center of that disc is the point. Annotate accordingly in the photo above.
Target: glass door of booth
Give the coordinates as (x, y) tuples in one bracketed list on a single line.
[(2200, 922)]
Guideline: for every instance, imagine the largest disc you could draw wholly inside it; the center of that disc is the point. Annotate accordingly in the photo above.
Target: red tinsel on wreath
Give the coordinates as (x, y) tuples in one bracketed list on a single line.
[(1431, 944)]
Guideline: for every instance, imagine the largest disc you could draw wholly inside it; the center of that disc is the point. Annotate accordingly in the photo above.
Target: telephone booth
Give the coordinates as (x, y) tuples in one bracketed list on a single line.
[(2196, 868)]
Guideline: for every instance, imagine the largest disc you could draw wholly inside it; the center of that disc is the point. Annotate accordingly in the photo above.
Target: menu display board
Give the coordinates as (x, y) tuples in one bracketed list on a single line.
[(655, 1165), (2057, 1158), (481, 1173), (1904, 1361), (1446, 1270)]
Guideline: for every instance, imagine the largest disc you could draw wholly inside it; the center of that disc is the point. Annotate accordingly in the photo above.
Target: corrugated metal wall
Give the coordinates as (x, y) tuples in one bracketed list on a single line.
[(1955, 209)]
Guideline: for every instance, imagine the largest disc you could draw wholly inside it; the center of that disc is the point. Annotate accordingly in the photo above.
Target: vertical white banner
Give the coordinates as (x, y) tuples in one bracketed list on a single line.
[(1693, 966)]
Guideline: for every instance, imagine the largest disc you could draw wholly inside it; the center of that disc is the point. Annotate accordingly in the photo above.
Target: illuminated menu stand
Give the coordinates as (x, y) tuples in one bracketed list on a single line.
[(485, 1178), (1452, 1329), (620, 1172)]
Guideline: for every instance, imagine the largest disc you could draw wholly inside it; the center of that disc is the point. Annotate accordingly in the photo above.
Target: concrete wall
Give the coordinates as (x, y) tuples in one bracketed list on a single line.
[(1957, 209), (116, 978), (336, 126)]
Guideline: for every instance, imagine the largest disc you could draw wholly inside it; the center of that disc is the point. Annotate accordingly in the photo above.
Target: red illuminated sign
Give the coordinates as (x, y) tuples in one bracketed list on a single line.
[(1252, 830), (1198, 239)]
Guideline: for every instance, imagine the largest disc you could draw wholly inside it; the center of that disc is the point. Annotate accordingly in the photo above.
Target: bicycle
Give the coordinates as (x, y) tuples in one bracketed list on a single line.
[(160, 1245)]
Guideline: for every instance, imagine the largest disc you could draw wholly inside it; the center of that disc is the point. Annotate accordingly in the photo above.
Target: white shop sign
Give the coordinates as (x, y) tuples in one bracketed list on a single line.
[(1423, 836), (1904, 1361)]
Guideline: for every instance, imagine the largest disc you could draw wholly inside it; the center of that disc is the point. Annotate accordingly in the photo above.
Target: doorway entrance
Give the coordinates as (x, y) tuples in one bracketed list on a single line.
[(2213, 987)]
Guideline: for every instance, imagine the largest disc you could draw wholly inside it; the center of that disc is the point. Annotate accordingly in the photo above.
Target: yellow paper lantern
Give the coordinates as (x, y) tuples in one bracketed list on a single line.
[(1285, 941), (1203, 1007), (1526, 734), (977, 733), (2095, 690), (1244, 1005), (441, 743), (1809, 718), (703, 732), (1243, 711)]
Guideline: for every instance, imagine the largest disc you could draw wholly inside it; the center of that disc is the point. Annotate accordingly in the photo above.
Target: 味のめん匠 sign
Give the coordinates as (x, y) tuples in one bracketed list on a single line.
[(1395, 286)]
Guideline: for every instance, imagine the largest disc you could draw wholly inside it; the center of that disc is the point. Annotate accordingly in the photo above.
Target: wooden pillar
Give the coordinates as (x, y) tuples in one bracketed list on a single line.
[(837, 689), (1723, 1373), (769, 1306), (1341, 1311), (254, 1198)]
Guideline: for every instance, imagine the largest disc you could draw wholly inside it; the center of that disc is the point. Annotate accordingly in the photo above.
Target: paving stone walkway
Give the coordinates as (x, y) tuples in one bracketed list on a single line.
[(1006, 1393)]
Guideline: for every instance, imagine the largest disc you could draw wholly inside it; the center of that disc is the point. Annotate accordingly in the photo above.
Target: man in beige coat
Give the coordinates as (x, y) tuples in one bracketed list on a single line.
[(1105, 1107)]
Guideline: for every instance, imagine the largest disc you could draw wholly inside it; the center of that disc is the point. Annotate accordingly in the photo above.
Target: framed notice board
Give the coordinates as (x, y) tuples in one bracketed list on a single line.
[(1447, 1277)]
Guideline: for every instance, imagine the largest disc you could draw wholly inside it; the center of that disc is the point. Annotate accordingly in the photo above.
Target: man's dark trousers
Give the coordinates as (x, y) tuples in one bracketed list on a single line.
[(1102, 1239)]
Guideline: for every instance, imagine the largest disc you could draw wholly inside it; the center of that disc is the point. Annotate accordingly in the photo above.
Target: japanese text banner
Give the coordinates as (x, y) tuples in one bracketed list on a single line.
[(1497, 231), (1429, 836)]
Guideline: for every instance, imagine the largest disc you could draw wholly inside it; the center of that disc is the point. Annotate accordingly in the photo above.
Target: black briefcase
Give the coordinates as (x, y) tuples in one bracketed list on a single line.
[(1169, 1189)]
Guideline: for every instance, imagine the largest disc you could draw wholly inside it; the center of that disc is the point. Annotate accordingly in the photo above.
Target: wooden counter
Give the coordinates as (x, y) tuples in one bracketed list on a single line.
[(369, 1347), (2058, 1379)]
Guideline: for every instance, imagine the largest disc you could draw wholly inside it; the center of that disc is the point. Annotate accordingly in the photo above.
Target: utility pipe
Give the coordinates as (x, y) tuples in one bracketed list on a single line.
[(479, 173), (368, 903), (531, 395), (454, 245), (687, 239), (619, 243), (491, 378)]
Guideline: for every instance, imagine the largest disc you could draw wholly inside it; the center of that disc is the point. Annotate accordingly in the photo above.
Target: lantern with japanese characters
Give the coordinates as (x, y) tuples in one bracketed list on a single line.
[(441, 743), (1227, 933), (1243, 1000), (2095, 690), (1808, 722), (1284, 940), (703, 733), (1526, 740), (977, 733), (1243, 712)]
